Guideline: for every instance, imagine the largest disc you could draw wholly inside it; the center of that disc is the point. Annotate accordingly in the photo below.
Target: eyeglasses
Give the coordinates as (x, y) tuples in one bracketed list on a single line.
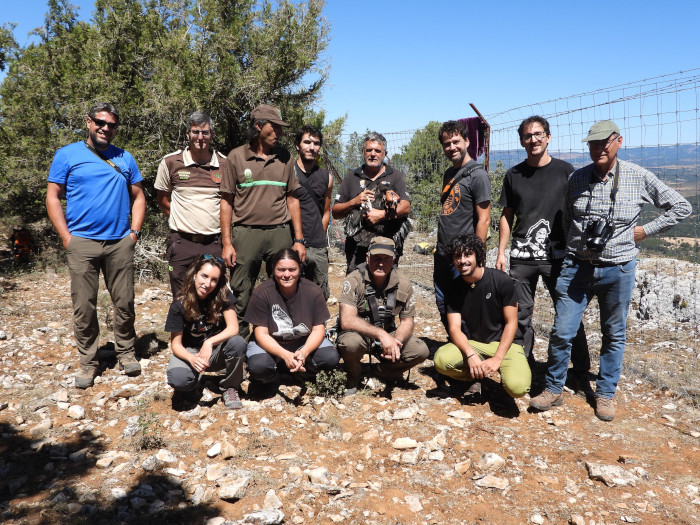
[(208, 257), (104, 124), (538, 135), (202, 132), (602, 144)]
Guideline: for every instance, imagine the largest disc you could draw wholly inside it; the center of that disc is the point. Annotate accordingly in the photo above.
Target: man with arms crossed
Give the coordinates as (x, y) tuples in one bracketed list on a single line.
[(603, 203), (101, 184), (315, 201), (364, 185), (533, 191), (466, 205), (188, 194), (484, 299), (259, 198)]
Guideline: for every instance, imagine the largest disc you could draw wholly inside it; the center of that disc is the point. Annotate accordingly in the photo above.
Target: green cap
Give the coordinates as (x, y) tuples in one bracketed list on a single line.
[(271, 113), (602, 130)]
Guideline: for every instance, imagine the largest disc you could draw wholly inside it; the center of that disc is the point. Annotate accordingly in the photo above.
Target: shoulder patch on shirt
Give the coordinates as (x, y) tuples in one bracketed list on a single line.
[(216, 177)]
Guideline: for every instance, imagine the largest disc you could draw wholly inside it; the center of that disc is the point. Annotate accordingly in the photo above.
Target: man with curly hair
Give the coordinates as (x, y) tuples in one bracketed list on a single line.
[(484, 301)]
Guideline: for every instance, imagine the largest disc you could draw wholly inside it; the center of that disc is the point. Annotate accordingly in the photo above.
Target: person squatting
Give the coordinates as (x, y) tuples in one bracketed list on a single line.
[(577, 229)]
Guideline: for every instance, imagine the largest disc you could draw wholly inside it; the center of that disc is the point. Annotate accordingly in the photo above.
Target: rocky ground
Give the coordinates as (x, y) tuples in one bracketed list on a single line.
[(119, 453)]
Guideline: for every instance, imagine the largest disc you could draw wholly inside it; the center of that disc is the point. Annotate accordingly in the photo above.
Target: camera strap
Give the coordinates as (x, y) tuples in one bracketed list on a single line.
[(613, 193)]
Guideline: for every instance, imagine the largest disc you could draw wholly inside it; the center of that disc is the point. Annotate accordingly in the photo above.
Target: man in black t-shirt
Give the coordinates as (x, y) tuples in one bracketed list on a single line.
[(315, 201), (466, 204), (533, 193), (374, 200), (484, 300)]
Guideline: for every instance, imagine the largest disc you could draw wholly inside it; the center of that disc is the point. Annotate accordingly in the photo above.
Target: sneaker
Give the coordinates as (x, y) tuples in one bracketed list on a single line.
[(604, 408), (85, 377), (130, 365), (546, 400), (231, 399)]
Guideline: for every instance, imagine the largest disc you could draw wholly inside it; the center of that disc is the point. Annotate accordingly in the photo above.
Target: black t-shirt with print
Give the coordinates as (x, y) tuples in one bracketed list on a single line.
[(194, 333), (536, 196), (287, 320), (481, 307)]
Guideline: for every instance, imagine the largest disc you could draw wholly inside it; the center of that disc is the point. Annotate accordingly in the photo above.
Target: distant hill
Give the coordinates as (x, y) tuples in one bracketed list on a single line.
[(679, 164)]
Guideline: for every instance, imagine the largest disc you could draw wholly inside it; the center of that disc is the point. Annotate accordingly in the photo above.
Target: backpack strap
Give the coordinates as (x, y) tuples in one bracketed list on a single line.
[(462, 173)]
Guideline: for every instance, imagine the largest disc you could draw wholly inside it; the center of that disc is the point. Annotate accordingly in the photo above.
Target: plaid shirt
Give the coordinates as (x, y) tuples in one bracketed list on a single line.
[(636, 187)]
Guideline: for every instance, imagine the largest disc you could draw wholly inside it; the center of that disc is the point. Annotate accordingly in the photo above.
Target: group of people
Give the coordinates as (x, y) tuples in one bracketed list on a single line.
[(229, 214)]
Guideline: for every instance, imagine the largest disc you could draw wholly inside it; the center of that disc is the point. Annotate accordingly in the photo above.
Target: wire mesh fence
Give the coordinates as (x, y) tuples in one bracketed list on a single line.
[(659, 119)]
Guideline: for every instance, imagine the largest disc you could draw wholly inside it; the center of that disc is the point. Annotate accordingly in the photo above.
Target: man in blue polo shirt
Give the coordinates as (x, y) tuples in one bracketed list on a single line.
[(101, 184)]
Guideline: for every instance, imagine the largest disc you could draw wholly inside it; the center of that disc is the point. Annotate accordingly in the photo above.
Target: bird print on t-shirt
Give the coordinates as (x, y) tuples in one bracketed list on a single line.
[(285, 330)]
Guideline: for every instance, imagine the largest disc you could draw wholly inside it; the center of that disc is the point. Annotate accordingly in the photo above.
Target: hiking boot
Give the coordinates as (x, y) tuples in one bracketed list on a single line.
[(184, 400), (604, 408), (231, 399), (546, 400), (85, 377), (130, 365)]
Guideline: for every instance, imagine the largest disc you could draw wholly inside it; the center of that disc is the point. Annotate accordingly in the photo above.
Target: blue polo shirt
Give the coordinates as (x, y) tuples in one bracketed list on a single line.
[(97, 196)]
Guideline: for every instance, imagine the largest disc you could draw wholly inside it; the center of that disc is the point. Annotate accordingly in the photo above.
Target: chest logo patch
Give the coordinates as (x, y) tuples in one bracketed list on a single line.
[(248, 174), (488, 295), (216, 177), (183, 175)]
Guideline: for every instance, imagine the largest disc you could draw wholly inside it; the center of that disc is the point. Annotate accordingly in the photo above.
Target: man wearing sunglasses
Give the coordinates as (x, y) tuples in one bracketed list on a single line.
[(105, 208), (532, 197), (603, 205), (188, 184)]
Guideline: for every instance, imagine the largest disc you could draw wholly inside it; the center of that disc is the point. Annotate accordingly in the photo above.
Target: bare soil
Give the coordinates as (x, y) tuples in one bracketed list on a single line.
[(654, 435)]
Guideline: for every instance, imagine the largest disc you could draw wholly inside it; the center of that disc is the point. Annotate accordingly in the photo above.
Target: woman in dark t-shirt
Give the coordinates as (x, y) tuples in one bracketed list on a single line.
[(204, 336), (288, 314)]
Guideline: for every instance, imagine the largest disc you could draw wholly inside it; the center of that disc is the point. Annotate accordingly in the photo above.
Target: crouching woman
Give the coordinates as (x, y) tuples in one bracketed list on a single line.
[(204, 336), (288, 314)]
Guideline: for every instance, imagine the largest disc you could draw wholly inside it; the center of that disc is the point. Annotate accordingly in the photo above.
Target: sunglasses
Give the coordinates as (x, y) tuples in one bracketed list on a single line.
[(104, 124), (208, 257)]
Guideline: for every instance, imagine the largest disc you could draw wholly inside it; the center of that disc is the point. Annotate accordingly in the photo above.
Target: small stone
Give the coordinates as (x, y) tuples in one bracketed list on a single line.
[(104, 462), (626, 459), (413, 503), (76, 412), (216, 521), (577, 519), (60, 396), (165, 456), (264, 517), (404, 443), (460, 414), (78, 456), (611, 475), (405, 413), (271, 500), (463, 466), (235, 489), (370, 435), (41, 429), (490, 462), (319, 476), (492, 482), (217, 471), (537, 519), (149, 464), (436, 455), (214, 451), (126, 391), (410, 457)]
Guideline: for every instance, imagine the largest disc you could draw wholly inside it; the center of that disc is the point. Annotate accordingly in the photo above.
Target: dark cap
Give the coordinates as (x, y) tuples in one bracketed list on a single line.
[(381, 246), (602, 130), (270, 113)]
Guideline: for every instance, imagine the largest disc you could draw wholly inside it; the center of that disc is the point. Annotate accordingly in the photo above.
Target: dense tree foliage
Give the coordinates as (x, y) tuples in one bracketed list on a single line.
[(157, 60)]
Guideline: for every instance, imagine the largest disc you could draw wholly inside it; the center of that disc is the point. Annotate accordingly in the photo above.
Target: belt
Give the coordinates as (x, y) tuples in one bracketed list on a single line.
[(262, 227), (600, 264), (197, 237)]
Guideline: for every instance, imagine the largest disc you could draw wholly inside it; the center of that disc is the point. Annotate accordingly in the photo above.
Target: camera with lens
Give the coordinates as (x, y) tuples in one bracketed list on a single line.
[(598, 233)]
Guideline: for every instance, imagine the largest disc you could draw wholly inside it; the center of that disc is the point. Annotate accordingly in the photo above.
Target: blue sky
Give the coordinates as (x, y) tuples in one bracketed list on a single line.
[(395, 65)]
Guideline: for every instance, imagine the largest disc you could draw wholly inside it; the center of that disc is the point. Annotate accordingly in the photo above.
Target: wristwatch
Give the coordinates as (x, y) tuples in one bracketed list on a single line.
[(300, 241), (137, 233)]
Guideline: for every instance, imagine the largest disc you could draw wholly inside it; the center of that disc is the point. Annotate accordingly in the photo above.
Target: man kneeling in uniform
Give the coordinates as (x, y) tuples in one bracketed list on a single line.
[(373, 295)]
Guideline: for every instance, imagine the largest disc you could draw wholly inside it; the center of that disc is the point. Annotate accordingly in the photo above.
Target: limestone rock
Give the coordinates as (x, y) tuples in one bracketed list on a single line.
[(404, 443), (492, 482), (611, 475), (235, 489)]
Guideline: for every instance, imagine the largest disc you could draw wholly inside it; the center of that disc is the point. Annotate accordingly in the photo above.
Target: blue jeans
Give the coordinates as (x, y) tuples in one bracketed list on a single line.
[(578, 282)]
